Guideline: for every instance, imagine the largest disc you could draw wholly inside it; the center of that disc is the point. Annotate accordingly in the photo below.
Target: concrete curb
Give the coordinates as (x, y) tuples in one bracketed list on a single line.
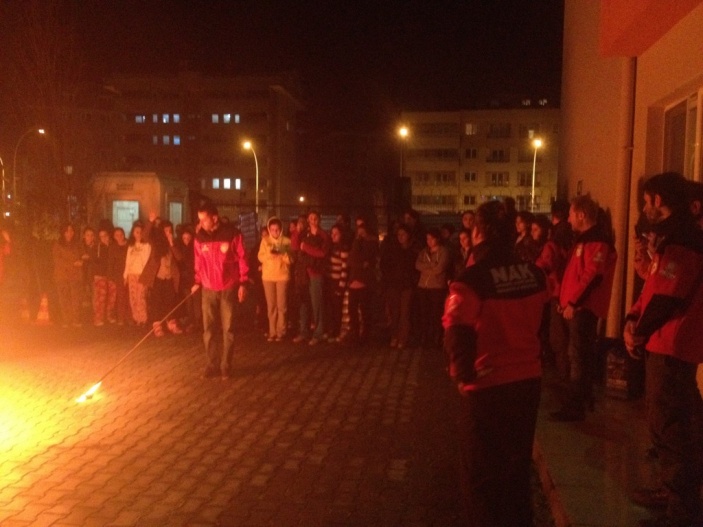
[(561, 517)]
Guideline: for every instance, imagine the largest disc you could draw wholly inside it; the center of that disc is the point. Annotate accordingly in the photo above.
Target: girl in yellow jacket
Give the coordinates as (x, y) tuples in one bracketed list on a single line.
[(275, 258)]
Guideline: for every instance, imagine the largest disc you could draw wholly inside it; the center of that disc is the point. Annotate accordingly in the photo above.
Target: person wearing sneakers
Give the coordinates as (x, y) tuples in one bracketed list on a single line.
[(221, 270), (275, 258)]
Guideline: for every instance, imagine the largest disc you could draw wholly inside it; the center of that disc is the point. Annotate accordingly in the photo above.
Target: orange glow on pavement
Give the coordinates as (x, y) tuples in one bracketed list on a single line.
[(89, 394)]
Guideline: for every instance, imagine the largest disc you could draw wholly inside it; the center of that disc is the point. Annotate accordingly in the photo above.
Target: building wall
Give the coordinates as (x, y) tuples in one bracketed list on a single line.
[(458, 160), (204, 147), (613, 114)]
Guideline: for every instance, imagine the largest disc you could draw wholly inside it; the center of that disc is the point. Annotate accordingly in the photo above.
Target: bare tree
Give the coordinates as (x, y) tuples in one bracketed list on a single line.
[(40, 87)]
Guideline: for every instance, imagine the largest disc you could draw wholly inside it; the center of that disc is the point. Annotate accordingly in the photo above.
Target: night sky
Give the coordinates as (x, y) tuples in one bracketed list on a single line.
[(361, 62)]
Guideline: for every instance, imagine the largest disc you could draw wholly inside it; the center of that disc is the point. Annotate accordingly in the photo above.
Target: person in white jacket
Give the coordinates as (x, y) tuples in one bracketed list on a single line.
[(275, 258), (138, 252)]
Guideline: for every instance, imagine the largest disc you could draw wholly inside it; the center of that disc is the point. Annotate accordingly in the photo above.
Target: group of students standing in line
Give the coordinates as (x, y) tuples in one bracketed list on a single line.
[(321, 286), (136, 280)]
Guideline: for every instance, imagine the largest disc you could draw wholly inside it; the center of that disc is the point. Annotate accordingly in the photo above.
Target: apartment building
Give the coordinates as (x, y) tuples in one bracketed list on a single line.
[(191, 127), (457, 160)]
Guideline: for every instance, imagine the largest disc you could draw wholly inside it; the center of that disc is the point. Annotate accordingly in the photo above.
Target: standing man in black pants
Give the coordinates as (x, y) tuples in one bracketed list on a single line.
[(491, 318), (584, 297), (664, 325)]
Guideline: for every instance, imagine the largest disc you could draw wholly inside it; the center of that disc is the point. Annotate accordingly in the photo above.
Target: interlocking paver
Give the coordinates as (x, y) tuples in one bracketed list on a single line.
[(301, 436)]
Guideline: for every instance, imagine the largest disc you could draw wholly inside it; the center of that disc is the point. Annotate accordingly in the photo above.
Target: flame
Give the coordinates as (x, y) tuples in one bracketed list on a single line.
[(89, 394)]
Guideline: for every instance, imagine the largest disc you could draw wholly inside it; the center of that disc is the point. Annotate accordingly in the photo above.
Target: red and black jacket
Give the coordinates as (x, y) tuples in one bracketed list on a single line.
[(588, 278), (220, 259), (669, 311), (491, 319)]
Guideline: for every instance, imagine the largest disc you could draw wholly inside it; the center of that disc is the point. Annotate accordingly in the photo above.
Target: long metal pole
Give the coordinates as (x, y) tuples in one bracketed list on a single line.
[(534, 166), (402, 147), (89, 394), (256, 199)]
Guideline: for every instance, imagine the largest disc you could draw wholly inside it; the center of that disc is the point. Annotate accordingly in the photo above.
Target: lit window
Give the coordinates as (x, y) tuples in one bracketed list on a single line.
[(227, 183), (177, 140), (226, 118), (236, 118), (542, 102), (215, 118), (141, 119), (471, 129), (176, 117), (155, 118), (215, 183), (166, 140), (238, 184), (164, 118)]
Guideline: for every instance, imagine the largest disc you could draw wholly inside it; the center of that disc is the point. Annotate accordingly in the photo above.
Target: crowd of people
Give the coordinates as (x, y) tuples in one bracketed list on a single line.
[(505, 294), (492, 339)]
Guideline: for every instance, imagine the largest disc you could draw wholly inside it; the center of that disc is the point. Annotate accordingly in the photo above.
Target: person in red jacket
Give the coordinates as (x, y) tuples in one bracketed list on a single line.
[(584, 297), (665, 321), (314, 247), (221, 270), (491, 318)]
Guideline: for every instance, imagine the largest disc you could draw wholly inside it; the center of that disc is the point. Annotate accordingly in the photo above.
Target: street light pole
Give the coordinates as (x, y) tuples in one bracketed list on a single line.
[(536, 143), (403, 133), (248, 146), (14, 160)]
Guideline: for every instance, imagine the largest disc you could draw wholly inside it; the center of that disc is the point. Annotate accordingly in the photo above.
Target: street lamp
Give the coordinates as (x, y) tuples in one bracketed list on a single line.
[(248, 146), (536, 144), (14, 159), (403, 133)]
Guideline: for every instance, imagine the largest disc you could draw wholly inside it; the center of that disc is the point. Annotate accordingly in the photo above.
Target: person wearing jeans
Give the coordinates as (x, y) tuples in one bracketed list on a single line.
[(221, 270), (314, 246), (274, 255)]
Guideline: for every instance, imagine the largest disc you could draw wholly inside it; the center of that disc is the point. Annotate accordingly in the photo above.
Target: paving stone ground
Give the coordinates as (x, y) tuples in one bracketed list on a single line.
[(310, 436)]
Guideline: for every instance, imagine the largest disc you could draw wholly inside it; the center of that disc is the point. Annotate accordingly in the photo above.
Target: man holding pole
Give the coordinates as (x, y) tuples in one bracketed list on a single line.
[(221, 269)]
